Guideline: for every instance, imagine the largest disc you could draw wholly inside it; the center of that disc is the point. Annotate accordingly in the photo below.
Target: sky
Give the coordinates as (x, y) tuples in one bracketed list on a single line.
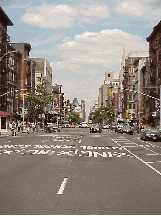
[(82, 39)]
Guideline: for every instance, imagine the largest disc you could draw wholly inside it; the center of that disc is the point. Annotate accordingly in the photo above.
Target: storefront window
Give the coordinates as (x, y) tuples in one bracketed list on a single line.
[(3, 122)]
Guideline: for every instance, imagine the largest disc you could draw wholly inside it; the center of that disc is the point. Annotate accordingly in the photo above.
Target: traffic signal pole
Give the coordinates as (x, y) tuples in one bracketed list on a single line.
[(23, 112)]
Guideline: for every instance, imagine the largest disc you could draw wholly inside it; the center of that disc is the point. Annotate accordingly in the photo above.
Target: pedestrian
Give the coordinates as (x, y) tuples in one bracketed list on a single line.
[(19, 125)]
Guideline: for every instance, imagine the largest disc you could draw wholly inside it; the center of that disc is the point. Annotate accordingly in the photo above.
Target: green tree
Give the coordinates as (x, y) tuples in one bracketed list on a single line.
[(104, 114), (74, 118), (37, 101)]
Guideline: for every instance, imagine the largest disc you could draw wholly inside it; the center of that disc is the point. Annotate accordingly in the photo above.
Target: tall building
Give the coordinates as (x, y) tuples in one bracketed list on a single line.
[(132, 84), (120, 89), (43, 73)]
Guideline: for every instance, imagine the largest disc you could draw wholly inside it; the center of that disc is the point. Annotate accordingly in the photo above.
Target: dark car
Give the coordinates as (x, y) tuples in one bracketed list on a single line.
[(119, 127), (150, 133), (127, 129), (95, 128), (113, 126)]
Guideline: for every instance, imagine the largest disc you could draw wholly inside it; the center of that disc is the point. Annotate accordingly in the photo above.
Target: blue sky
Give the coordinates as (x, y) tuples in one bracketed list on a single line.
[(82, 39)]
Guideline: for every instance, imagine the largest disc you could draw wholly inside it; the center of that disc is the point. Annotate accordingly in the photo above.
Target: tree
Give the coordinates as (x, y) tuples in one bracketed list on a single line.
[(74, 118), (103, 114), (37, 101)]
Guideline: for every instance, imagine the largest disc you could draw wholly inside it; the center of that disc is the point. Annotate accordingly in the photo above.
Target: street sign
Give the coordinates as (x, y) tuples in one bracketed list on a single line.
[(25, 111)]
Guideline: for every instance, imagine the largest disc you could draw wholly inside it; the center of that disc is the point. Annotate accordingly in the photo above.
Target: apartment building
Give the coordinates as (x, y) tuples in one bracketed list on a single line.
[(132, 84)]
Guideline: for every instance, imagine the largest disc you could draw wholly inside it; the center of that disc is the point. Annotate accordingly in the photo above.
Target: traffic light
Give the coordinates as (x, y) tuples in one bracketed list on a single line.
[(26, 95), (16, 96), (127, 113)]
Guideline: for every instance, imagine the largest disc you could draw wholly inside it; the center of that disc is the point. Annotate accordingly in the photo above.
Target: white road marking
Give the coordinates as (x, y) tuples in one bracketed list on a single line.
[(154, 162), (130, 146), (153, 154), (146, 163), (62, 186)]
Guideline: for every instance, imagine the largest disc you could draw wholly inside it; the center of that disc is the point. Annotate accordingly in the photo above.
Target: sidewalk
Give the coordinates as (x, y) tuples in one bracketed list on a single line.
[(4, 133), (8, 133)]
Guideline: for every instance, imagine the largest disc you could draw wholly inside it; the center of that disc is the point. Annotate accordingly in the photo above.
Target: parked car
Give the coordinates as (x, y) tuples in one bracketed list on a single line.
[(106, 126), (150, 133), (119, 127), (127, 129), (95, 128)]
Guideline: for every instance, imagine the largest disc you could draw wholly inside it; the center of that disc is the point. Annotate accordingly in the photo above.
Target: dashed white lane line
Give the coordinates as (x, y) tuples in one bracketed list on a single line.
[(62, 186)]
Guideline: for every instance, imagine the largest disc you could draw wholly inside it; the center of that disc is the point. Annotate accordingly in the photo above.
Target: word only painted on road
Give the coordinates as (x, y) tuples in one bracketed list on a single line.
[(68, 153)]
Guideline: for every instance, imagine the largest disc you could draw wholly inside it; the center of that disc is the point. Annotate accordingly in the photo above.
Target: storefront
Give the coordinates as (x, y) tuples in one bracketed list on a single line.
[(4, 120)]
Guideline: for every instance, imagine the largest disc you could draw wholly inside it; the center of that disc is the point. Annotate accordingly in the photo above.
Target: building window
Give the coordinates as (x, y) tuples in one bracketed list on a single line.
[(38, 79), (108, 75), (129, 106), (159, 57), (133, 106), (159, 41)]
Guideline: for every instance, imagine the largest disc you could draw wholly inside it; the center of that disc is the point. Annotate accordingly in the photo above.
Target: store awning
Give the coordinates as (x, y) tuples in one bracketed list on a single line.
[(5, 114)]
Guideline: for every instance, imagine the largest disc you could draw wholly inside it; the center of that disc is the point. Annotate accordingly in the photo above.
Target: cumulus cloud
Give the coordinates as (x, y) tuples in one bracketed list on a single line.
[(139, 9), (103, 48), (50, 16), (63, 16)]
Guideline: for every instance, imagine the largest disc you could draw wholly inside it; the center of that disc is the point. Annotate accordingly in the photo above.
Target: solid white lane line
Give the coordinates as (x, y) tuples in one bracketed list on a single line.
[(62, 186), (138, 157)]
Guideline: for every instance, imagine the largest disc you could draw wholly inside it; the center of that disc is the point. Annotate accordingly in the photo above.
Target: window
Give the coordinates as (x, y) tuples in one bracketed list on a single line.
[(159, 41), (39, 79), (129, 106), (108, 75), (133, 106), (159, 57)]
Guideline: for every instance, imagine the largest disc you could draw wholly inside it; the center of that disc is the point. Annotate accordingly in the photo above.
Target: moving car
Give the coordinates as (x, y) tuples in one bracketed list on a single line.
[(106, 126), (52, 127), (113, 126), (119, 127), (127, 129), (150, 133), (95, 128), (84, 125)]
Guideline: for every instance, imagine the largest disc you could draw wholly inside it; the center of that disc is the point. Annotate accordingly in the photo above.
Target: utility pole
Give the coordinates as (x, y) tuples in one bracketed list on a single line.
[(160, 107)]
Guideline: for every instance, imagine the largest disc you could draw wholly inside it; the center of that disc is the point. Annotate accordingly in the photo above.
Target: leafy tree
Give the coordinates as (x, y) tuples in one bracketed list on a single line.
[(104, 114), (37, 101), (74, 118)]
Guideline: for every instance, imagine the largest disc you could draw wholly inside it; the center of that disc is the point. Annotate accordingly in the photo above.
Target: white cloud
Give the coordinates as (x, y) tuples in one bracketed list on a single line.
[(139, 9), (132, 7), (63, 16), (50, 16)]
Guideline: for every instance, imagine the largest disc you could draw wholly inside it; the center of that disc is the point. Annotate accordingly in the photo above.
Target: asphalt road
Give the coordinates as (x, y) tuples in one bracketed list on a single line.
[(76, 172)]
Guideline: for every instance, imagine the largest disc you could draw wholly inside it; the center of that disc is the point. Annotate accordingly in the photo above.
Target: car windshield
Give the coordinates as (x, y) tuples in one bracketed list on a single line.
[(55, 125), (95, 125), (151, 129), (126, 127)]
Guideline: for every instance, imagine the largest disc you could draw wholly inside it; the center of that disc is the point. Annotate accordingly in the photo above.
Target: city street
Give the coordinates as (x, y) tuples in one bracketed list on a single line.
[(78, 172)]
